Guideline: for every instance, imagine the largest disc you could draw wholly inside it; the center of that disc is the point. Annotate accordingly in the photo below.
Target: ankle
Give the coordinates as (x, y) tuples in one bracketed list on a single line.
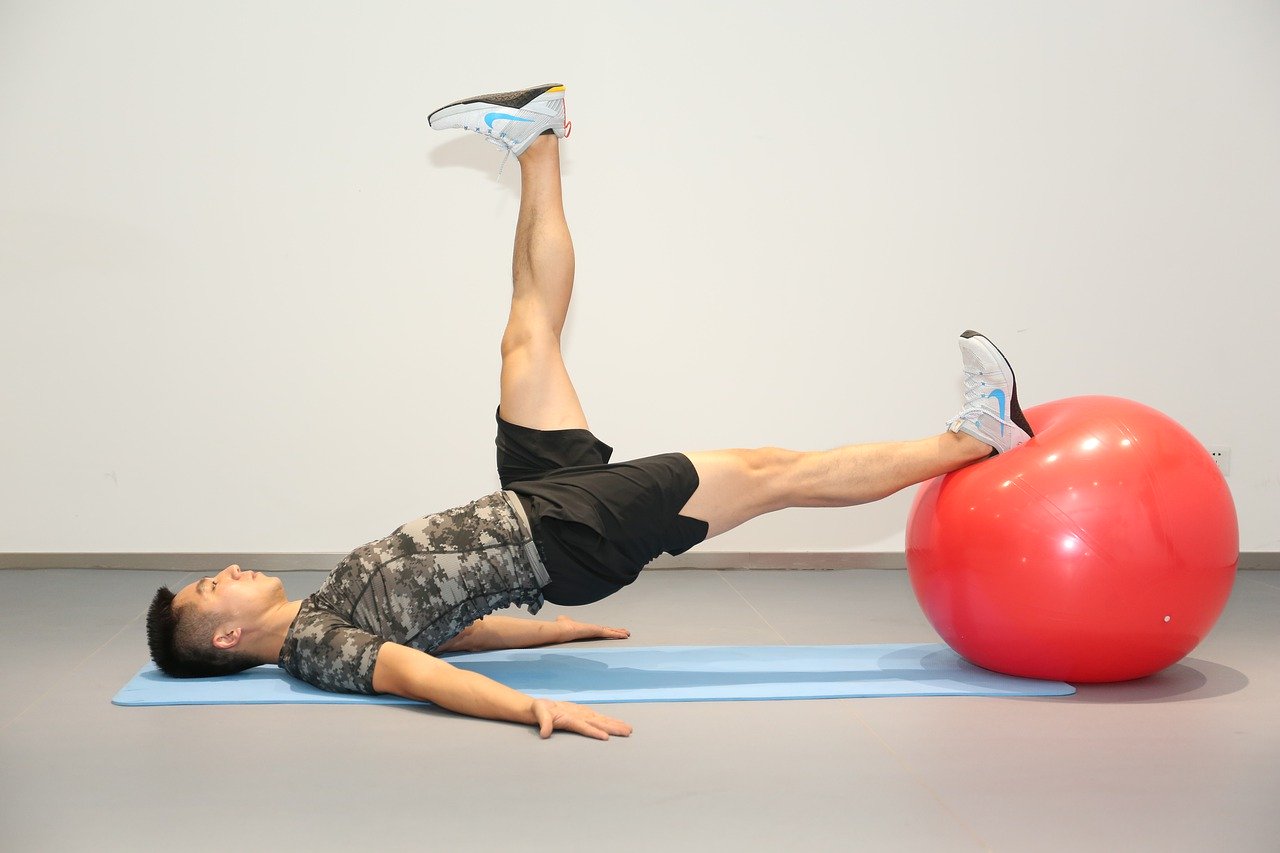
[(546, 145), (965, 447)]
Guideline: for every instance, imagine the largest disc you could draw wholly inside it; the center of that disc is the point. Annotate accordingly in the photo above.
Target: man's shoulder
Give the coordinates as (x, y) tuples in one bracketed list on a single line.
[(323, 648), (312, 625)]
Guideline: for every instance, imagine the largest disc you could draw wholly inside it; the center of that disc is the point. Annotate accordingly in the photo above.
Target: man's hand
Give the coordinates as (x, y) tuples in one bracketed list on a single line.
[(569, 717), (503, 632), (573, 630), (408, 672)]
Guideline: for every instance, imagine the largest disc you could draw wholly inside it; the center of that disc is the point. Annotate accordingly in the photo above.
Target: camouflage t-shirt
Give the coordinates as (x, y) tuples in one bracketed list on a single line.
[(418, 587)]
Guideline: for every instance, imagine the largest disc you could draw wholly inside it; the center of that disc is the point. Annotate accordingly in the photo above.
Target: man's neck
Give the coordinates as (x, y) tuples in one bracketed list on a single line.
[(269, 638)]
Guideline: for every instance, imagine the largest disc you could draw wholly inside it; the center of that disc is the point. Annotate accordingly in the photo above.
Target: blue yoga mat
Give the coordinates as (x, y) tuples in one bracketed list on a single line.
[(599, 675)]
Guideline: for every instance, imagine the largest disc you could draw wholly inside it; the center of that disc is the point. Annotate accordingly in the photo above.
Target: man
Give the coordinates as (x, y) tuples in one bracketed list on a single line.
[(567, 527)]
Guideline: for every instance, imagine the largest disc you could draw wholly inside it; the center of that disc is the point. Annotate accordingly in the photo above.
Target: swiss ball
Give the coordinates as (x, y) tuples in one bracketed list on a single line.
[(1103, 549)]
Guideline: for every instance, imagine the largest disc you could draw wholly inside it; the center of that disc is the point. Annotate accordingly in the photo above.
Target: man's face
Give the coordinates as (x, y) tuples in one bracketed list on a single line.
[(235, 596)]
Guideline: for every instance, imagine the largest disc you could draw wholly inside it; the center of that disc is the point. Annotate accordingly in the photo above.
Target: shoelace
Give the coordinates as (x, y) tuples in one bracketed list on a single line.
[(499, 139), (568, 128), (974, 383), (976, 380)]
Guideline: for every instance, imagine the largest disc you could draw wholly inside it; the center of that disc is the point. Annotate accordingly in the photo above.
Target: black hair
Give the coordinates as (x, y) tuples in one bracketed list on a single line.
[(180, 641)]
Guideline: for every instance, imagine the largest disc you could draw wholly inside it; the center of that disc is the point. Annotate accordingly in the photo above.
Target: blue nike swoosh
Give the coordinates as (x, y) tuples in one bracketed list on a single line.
[(999, 395), (492, 117)]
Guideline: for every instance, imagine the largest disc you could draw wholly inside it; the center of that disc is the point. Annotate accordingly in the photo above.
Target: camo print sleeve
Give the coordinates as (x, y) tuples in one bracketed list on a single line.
[(324, 650)]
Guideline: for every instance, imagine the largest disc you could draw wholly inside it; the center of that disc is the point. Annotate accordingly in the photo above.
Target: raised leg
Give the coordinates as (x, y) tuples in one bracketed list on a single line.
[(536, 390), (738, 485)]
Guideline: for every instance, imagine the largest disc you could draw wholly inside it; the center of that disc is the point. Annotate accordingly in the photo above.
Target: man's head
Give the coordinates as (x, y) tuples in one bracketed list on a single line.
[(202, 629)]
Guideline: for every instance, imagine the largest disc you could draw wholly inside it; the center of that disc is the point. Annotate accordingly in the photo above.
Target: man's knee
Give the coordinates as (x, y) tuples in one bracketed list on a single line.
[(531, 326), (767, 462), (737, 485), (532, 340), (768, 472)]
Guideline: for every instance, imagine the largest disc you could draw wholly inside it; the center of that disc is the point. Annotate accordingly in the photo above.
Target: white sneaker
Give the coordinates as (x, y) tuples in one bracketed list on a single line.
[(991, 412), (510, 120)]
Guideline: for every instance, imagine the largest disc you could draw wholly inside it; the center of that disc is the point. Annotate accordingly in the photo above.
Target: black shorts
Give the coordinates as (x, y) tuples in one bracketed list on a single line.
[(596, 524)]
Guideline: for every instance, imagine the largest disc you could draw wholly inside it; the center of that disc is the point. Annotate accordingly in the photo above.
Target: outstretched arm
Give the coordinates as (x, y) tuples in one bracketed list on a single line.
[(504, 632), (416, 675)]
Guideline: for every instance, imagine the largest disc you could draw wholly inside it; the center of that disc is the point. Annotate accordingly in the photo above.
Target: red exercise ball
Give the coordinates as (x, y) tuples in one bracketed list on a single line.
[(1103, 549)]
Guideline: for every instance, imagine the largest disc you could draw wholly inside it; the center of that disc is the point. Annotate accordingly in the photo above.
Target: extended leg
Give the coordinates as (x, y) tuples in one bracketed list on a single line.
[(738, 485), (536, 390)]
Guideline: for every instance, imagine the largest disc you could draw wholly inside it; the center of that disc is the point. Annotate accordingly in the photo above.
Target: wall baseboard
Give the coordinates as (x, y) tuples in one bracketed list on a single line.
[(324, 561)]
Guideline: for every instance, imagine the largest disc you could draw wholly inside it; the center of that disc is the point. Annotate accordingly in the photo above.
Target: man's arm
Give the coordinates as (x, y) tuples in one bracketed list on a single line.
[(504, 632), (416, 675)]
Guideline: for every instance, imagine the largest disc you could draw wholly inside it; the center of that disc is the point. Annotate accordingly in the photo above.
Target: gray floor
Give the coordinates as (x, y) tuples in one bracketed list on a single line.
[(1184, 760)]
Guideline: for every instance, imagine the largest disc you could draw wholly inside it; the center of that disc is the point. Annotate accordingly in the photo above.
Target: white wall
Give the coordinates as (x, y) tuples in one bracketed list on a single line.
[(251, 302)]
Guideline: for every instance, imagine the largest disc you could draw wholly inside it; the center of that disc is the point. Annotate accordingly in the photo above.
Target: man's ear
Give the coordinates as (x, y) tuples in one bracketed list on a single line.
[(226, 638)]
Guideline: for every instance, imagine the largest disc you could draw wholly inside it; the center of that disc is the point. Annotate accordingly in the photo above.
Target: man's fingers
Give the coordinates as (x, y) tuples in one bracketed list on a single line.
[(587, 631), (585, 728), (579, 719), (608, 724), (614, 727), (569, 721)]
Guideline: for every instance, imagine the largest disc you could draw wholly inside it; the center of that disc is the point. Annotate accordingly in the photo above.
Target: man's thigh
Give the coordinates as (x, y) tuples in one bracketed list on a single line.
[(599, 525), (735, 486), (525, 453), (535, 385)]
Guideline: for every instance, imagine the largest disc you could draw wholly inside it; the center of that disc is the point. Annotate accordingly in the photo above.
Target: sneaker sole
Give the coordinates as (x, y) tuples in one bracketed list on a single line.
[(502, 100), (1015, 410)]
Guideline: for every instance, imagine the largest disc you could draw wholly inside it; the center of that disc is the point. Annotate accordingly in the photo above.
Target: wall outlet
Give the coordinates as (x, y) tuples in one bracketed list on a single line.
[(1221, 457)]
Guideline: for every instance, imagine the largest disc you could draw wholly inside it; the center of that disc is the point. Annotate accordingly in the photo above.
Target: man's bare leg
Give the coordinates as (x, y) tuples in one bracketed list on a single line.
[(536, 390), (738, 485), (734, 485)]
